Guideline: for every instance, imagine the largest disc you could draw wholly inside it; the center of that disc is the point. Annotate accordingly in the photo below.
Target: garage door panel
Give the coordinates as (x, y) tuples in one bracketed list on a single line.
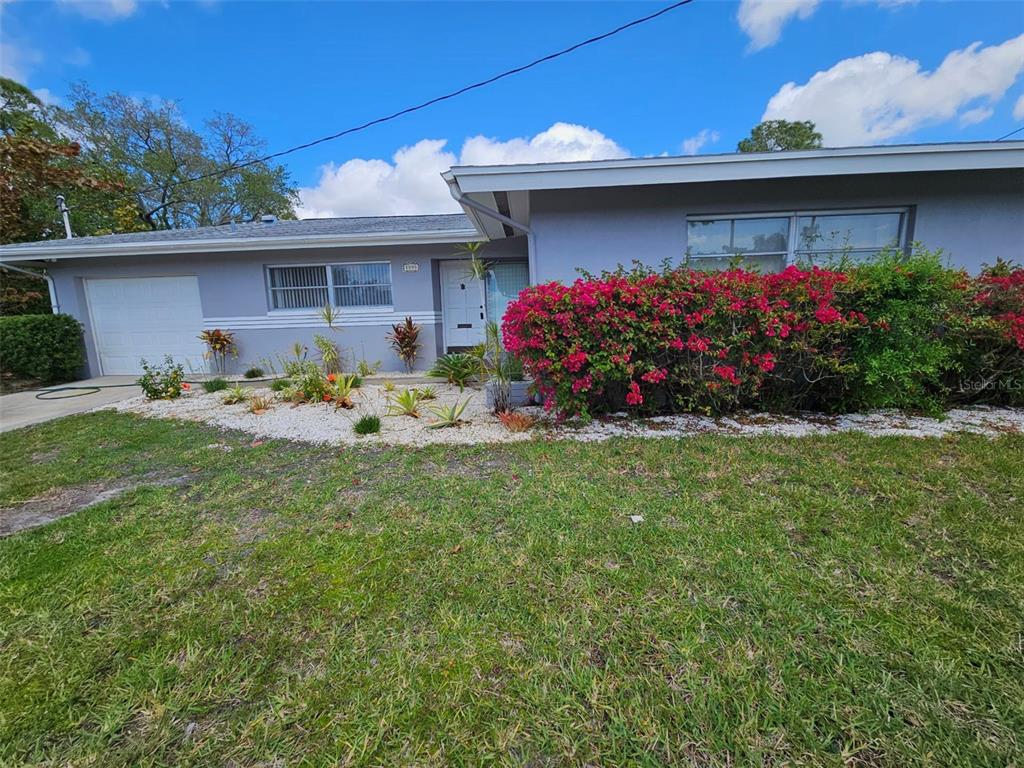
[(136, 318)]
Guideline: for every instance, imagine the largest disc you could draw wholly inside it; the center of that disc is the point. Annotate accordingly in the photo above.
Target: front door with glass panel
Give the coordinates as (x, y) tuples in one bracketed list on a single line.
[(463, 305)]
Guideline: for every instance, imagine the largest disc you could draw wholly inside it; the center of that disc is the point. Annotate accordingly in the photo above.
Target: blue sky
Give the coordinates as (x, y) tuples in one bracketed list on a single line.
[(696, 80)]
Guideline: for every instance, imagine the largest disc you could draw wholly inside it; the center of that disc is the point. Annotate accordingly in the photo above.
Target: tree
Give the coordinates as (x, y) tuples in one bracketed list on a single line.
[(38, 162), (160, 155), (776, 135)]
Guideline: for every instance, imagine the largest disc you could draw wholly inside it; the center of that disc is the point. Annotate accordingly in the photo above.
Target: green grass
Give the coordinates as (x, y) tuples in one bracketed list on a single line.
[(830, 601)]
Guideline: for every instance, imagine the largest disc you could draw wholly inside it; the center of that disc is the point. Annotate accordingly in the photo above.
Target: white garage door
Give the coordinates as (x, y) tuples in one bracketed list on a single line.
[(146, 317)]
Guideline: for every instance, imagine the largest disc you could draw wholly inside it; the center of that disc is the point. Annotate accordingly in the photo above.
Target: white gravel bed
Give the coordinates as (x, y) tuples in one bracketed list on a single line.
[(321, 423)]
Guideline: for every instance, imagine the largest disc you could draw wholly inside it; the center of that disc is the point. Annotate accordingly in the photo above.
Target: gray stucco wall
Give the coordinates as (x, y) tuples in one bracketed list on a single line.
[(233, 294), (973, 217)]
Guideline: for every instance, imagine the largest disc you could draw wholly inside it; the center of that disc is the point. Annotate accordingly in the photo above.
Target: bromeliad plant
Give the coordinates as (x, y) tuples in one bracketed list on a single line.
[(404, 339), (340, 388), (235, 395)]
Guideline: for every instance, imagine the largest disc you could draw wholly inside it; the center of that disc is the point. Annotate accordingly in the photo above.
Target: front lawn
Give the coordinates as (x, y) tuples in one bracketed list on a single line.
[(838, 600)]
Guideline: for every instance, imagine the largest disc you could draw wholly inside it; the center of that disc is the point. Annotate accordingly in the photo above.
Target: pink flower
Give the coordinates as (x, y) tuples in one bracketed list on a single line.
[(656, 376), (575, 361), (582, 385), (765, 361), (728, 373), (633, 397), (828, 315)]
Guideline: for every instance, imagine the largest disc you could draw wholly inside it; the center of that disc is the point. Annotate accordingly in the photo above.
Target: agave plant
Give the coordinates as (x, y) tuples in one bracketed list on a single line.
[(455, 368), (259, 404), (426, 393), (405, 403), (448, 415)]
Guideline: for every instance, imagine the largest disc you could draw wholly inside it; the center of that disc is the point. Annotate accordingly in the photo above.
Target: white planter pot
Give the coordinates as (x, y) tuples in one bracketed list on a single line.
[(518, 393)]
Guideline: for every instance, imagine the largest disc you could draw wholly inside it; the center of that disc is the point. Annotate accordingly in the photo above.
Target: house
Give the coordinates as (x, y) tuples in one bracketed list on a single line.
[(150, 294)]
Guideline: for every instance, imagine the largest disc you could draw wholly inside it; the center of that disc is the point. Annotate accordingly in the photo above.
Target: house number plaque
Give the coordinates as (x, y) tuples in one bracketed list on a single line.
[(411, 266)]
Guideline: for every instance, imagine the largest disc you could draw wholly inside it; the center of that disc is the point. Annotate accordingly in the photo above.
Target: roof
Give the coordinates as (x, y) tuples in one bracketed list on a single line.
[(737, 165), (304, 233), (508, 186)]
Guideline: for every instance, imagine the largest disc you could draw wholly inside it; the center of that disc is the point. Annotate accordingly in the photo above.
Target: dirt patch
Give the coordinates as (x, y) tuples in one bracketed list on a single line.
[(61, 502)]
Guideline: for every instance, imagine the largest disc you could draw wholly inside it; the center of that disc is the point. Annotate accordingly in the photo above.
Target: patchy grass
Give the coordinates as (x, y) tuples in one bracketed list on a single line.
[(838, 600)]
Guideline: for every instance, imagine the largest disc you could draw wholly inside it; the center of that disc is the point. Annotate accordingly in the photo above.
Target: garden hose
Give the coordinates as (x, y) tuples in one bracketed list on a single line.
[(82, 391)]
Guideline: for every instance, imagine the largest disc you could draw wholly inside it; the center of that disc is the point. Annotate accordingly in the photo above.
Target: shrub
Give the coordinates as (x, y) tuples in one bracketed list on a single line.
[(455, 368), (330, 353), (308, 379), (366, 368), (259, 404), (340, 389), (404, 339), (278, 384), (889, 333), (164, 382), (215, 385), (368, 424), (46, 347), (253, 373)]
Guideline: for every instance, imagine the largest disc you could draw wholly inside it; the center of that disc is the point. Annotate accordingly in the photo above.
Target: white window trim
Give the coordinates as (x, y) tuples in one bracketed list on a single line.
[(327, 266), (790, 254)]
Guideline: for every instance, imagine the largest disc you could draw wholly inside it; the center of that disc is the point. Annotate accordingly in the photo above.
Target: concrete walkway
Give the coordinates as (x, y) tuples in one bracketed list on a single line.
[(21, 409)]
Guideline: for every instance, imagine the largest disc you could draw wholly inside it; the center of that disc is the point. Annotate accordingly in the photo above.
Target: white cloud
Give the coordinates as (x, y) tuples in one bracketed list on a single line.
[(103, 10), (78, 57), (1018, 109), (878, 96), (763, 20), (694, 144), (976, 115), (411, 182)]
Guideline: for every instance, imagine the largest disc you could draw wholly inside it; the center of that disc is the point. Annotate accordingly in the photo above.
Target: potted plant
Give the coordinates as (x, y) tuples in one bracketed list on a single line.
[(506, 388)]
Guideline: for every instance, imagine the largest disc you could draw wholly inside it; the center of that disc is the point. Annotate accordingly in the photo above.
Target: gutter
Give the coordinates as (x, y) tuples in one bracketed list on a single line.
[(42, 276), (81, 249), (466, 202)]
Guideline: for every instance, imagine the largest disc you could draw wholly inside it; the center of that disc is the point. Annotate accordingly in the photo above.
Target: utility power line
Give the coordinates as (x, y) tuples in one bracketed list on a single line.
[(435, 100), (1011, 133)]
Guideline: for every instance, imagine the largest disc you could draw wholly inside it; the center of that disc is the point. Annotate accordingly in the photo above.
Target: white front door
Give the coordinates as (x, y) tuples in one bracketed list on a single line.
[(462, 305), (147, 317)]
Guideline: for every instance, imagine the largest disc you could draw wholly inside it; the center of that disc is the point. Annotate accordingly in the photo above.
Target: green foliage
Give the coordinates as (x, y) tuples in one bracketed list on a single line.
[(46, 347), (426, 393), (150, 145), (330, 354), (776, 135), (161, 382), (340, 389), (366, 368), (235, 395), (367, 424), (904, 355), (455, 368), (279, 384), (253, 373), (404, 403), (215, 385), (448, 415)]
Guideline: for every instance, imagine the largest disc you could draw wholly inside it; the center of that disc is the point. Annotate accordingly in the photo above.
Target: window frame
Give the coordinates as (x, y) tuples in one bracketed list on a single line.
[(328, 267), (791, 253)]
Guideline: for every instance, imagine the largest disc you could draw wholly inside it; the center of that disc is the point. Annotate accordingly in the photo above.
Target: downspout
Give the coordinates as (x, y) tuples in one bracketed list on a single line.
[(42, 275), (462, 199)]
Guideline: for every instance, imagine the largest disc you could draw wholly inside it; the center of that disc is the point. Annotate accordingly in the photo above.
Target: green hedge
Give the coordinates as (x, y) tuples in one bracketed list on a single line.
[(46, 347)]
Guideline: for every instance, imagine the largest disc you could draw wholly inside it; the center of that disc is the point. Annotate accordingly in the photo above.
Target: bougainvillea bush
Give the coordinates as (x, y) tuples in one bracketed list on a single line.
[(681, 340)]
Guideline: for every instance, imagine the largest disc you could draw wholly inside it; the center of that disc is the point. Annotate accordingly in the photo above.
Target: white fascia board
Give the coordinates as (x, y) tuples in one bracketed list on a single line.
[(48, 252), (738, 167)]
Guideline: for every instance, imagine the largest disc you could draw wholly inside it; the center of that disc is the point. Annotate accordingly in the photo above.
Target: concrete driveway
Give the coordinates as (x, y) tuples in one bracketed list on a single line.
[(21, 409)]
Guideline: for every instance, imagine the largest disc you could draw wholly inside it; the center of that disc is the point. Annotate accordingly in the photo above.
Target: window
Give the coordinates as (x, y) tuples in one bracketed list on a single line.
[(857, 235), (366, 284), (362, 285), (504, 282), (769, 242), (760, 242)]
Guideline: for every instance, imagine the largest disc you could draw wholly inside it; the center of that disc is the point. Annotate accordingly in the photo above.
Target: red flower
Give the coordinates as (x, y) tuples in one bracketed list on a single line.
[(656, 376), (828, 315), (633, 397), (331, 377), (186, 386), (728, 373)]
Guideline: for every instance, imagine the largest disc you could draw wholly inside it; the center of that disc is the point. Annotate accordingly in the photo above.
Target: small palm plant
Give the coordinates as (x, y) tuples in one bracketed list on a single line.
[(448, 415), (405, 403)]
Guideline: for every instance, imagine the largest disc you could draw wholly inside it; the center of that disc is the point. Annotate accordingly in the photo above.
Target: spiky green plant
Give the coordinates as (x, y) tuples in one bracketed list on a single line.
[(367, 424), (455, 368), (448, 415), (215, 385), (236, 394), (404, 403)]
